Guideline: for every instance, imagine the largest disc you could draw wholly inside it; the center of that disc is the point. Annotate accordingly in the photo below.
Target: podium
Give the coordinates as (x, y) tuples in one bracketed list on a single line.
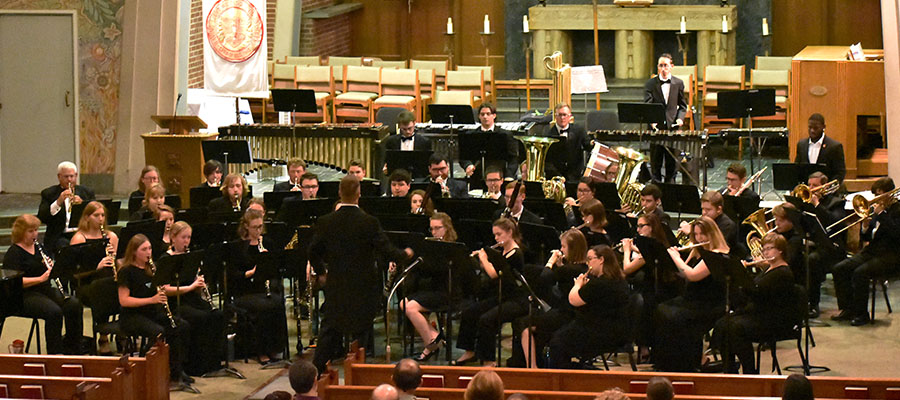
[(179, 124), (177, 153)]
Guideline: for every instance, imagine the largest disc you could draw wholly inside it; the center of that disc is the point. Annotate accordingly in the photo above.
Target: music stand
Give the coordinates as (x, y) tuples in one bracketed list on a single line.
[(738, 208), (551, 211), (207, 234), (656, 254), (481, 209), (112, 212), (153, 230), (786, 176), (178, 270), (539, 239), (533, 189), (385, 205), (474, 233), (680, 198), (202, 195), (747, 103), (725, 268), (480, 145), (414, 161), (294, 100), (296, 211), (78, 261), (453, 114), (226, 151), (406, 222), (455, 256), (649, 113), (608, 194), (274, 200)]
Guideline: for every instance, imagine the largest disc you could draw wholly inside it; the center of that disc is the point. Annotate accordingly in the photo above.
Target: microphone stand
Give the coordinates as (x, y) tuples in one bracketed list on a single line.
[(387, 322), (532, 297), (807, 368)]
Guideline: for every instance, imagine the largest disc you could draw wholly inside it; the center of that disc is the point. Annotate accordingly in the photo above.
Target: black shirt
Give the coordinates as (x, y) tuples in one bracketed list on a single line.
[(19, 259), (596, 238), (770, 296), (709, 290), (606, 302), (140, 285), (243, 257)]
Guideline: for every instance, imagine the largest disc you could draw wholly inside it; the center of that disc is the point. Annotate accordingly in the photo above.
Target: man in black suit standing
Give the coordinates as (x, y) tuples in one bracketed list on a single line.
[(566, 158), (56, 205), (667, 90), (821, 149), (502, 150), (406, 139), (439, 173), (296, 168), (344, 246)]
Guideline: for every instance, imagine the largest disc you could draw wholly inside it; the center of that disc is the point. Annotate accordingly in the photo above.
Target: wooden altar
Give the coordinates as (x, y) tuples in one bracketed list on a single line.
[(179, 159), (634, 53)]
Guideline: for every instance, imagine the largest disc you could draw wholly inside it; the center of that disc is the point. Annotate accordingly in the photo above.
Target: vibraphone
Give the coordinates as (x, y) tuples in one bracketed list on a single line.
[(764, 133), (444, 142), (335, 144), (692, 144)]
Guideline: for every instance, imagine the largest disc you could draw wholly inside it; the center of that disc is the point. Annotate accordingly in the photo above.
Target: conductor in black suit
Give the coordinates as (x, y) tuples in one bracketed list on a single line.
[(55, 210), (566, 158), (344, 246), (406, 139), (667, 90), (821, 149)]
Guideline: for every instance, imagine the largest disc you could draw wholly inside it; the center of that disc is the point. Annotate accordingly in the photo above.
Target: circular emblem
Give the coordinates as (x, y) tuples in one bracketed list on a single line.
[(234, 29)]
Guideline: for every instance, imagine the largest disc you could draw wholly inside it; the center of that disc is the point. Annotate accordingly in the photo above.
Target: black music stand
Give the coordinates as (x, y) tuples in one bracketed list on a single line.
[(295, 211), (385, 205), (294, 100), (178, 270), (78, 261), (11, 293), (481, 209), (274, 200), (539, 239), (414, 161), (202, 195), (227, 151), (455, 256), (608, 194), (474, 233), (738, 208), (483, 146), (642, 113), (680, 198), (112, 212), (656, 254), (153, 230), (552, 212), (407, 222), (533, 189), (453, 114), (786, 176), (747, 103)]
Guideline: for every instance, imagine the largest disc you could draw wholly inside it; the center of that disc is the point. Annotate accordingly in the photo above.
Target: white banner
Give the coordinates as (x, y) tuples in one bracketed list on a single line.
[(234, 47)]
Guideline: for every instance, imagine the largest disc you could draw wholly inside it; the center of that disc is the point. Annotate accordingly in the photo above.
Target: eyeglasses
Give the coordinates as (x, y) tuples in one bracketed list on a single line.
[(592, 258), (309, 186), (493, 179), (639, 226)]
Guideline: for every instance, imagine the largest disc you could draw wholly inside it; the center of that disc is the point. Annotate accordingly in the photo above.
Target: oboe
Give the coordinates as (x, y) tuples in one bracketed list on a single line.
[(48, 262)]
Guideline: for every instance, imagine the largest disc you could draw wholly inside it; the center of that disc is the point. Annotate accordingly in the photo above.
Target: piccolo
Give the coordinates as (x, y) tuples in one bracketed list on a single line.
[(691, 246)]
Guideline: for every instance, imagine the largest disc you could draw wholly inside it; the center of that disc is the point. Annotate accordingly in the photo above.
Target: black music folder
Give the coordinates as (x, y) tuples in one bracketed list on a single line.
[(385, 205), (786, 176), (680, 198), (454, 114), (743, 103), (737, 208), (642, 113), (202, 195), (608, 194), (112, 212), (295, 211), (331, 189), (414, 161), (294, 100), (178, 270), (153, 230)]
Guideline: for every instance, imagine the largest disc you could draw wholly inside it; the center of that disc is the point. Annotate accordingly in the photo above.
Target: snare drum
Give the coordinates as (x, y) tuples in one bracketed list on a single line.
[(603, 164)]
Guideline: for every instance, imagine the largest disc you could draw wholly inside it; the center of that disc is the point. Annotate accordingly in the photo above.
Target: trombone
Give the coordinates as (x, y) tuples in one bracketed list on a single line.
[(805, 193), (863, 209)]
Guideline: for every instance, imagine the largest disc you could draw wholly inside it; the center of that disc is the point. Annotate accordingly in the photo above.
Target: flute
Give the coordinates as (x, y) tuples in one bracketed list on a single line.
[(758, 261), (691, 246)]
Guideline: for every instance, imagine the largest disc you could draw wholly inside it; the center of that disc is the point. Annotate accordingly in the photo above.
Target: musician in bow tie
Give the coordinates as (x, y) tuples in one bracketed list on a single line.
[(406, 138), (667, 90), (566, 157)]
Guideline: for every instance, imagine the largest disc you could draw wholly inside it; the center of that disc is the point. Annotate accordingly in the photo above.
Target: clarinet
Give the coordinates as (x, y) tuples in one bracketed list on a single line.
[(204, 291), (261, 249), (48, 262), (109, 252), (163, 291)]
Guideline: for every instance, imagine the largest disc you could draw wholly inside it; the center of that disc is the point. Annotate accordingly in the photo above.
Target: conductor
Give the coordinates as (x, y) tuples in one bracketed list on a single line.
[(346, 242)]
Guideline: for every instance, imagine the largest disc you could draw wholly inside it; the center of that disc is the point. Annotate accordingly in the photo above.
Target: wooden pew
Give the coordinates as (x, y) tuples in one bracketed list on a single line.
[(357, 374), (151, 372), (118, 385)]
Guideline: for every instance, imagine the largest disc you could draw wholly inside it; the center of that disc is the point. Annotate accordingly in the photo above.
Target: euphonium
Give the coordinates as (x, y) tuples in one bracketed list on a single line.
[(626, 181), (761, 228), (805, 193)]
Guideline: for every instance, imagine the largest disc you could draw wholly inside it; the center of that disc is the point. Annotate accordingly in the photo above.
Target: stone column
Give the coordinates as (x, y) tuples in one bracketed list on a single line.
[(545, 43), (634, 54)]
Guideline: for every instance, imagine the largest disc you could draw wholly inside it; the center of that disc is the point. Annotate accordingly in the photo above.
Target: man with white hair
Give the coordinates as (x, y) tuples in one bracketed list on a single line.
[(56, 205)]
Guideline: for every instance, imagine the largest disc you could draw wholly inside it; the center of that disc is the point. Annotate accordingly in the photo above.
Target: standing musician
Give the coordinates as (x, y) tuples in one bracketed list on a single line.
[(149, 177), (600, 298), (771, 309), (207, 339), (518, 213), (431, 291), (92, 226), (56, 205), (878, 258), (259, 298), (296, 168), (143, 311), (829, 208), (821, 149), (688, 317), (406, 139), (400, 180), (487, 116), (566, 159), (212, 170), (479, 327), (711, 205), (439, 170), (734, 178), (594, 227), (40, 299), (346, 243), (667, 90), (235, 195), (154, 198)]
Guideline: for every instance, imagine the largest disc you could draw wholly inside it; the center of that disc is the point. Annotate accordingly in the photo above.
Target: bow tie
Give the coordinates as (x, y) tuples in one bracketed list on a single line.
[(404, 138), (665, 81)]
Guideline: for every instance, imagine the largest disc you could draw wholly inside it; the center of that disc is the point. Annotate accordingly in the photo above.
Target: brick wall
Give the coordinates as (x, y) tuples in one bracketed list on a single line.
[(324, 37), (195, 54)]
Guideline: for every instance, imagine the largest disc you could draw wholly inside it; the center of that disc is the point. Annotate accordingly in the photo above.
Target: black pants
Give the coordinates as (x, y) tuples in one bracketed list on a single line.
[(330, 342), (207, 338), (478, 329), (682, 324), (659, 155), (820, 263), (269, 322), (139, 324), (734, 335), (48, 304), (578, 340), (852, 277)]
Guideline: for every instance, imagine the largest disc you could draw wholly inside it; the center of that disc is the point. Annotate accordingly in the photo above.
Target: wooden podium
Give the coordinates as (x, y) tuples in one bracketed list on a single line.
[(824, 81), (177, 153)]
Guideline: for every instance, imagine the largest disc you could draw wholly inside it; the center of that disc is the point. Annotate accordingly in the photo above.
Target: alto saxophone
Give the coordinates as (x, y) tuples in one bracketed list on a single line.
[(48, 262)]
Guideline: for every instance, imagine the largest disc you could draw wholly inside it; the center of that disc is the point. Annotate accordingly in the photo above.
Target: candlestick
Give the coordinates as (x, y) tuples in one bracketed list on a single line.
[(724, 24), (765, 27), (449, 25), (487, 24), (683, 25), (525, 24)]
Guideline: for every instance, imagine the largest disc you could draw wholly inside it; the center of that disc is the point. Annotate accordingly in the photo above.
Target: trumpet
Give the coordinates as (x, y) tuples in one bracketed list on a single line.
[(71, 197), (805, 193), (48, 262), (863, 209), (689, 247), (236, 203), (750, 181)]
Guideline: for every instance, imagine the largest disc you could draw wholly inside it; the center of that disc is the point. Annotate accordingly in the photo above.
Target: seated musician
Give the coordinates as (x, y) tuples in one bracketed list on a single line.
[(212, 170), (418, 205), (585, 191), (688, 317), (400, 180), (40, 299), (517, 211), (600, 297), (235, 195), (784, 226), (431, 291), (821, 149), (878, 258), (493, 183), (167, 214), (309, 185), (207, 339), (734, 177), (487, 116), (829, 208), (566, 159), (358, 169), (651, 200), (406, 139), (259, 299), (296, 168), (439, 171), (154, 198), (149, 177), (479, 327), (654, 283), (711, 205), (143, 310), (56, 206), (660, 89), (92, 227), (770, 309), (594, 227)]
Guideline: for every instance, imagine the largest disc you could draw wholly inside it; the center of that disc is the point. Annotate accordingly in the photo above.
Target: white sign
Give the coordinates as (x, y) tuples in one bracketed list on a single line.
[(589, 79)]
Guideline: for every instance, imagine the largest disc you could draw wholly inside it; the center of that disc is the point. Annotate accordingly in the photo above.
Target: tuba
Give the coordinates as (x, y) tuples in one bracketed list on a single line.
[(626, 181), (761, 228), (536, 155)]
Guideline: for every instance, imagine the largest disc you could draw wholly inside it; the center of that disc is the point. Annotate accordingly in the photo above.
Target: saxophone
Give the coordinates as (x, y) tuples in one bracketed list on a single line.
[(161, 290), (48, 262)]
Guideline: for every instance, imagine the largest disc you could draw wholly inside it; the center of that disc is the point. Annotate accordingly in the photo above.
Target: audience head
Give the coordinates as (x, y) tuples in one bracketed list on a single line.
[(612, 394), (212, 170), (296, 169), (562, 113), (407, 375), (385, 392), (517, 396), (438, 166), (650, 198), (303, 375), (278, 395), (574, 246), (816, 127), (659, 388), (487, 114), (348, 190), (485, 385), (442, 227), (149, 177), (357, 168), (25, 228), (711, 204), (400, 180), (797, 387), (66, 173), (406, 123)]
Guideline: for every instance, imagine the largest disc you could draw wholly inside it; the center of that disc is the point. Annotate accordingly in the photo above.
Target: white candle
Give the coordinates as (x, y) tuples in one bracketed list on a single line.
[(449, 25), (683, 25), (765, 27), (724, 24), (487, 24), (525, 24)]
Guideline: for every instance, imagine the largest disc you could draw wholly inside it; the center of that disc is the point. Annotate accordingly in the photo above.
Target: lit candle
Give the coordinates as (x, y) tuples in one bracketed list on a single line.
[(449, 25), (487, 24), (525, 24), (724, 24), (683, 25), (765, 27)]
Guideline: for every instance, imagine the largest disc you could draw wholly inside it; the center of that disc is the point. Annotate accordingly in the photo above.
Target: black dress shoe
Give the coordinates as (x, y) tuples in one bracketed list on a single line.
[(465, 361), (813, 312), (843, 316), (186, 378), (860, 321)]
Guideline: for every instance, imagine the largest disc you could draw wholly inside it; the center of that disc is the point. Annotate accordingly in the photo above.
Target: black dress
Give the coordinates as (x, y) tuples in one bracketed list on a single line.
[(151, 320), (47, 303), (596, 238), (265, 313), (207, 339)]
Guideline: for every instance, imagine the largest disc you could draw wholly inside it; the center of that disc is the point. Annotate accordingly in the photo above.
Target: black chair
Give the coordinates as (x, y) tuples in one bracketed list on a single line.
[(105, 308), (795, 332), (388, 117), (601, 120), (883, 282), (635, 304)]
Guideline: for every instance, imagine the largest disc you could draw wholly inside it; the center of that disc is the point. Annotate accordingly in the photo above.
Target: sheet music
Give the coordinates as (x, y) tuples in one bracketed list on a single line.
[(589, 79)]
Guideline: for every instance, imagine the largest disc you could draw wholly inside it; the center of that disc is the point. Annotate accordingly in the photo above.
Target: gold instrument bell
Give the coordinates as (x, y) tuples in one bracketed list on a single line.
[(626, 181), (761, 228), (805, 193)]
